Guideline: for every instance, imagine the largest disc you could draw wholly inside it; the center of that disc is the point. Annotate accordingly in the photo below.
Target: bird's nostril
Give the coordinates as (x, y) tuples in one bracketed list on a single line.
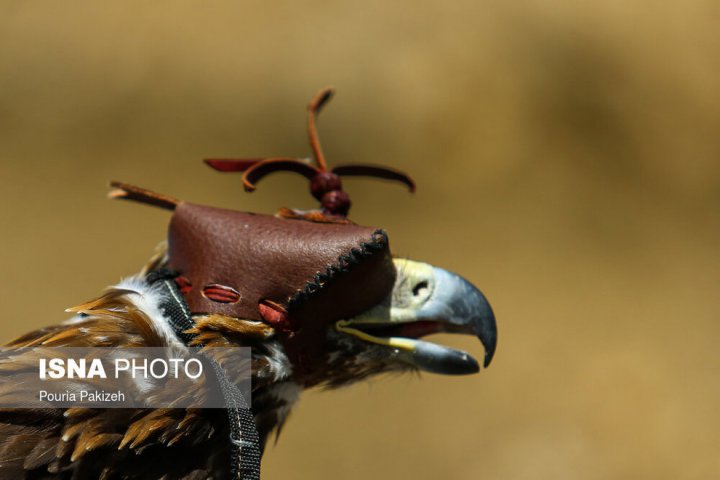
[(420, 288)]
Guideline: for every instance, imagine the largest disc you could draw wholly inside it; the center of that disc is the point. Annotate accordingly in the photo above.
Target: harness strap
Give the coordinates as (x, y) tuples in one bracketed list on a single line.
[(245, 451)]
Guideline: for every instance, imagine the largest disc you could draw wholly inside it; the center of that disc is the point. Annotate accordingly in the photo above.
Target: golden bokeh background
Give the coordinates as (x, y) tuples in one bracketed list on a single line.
[(567, 156)]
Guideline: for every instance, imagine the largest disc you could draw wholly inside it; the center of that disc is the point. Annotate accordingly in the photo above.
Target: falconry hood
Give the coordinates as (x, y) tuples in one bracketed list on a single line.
[(263, 267), (311, 273)]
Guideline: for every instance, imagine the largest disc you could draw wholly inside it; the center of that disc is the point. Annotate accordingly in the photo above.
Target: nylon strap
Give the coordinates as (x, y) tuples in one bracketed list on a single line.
[(245, 451)]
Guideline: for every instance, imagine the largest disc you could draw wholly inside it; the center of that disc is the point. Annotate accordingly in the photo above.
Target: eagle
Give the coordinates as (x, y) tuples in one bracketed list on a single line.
[(319, 301)]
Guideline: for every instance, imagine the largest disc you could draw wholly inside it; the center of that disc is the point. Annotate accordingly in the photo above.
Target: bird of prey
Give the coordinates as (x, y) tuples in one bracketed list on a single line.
[(319, 300)]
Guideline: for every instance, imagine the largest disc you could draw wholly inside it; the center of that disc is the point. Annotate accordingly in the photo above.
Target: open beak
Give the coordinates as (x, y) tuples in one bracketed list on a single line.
[(426, 300)]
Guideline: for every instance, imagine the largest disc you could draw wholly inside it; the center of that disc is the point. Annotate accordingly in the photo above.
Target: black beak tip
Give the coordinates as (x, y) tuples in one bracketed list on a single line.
[(488, 337), (473, 367), (488, 358)]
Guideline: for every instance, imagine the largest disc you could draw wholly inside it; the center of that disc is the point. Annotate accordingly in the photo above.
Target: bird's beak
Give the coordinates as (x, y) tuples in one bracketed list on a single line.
[(425, 300)]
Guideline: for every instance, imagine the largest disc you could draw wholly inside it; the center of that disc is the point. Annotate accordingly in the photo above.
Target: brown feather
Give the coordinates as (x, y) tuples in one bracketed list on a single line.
[(115, 443), (41, 454)]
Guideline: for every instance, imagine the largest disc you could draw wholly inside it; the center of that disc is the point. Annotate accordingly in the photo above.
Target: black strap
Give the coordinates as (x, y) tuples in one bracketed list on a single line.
[(245, 451)]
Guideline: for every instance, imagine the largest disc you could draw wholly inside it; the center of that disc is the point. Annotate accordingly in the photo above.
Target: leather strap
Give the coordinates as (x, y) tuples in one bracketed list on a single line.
[(245, 452)]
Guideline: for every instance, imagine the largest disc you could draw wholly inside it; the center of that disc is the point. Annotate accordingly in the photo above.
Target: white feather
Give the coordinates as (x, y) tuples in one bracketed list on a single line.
[(147, 299)]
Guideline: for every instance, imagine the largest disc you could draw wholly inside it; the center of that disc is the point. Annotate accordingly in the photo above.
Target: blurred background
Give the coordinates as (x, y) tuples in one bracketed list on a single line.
[(567, 156)]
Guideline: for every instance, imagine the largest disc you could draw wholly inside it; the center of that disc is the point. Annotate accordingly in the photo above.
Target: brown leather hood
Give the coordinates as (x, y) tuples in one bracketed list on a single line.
[(230, 261)]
